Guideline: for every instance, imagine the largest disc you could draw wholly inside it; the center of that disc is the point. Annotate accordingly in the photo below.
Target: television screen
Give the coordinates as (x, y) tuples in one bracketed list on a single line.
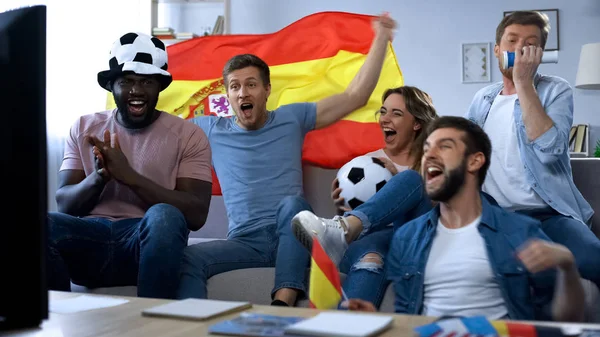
[(23, 292)]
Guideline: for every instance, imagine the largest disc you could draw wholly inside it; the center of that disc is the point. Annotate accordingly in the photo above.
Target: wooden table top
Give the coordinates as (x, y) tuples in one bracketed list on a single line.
[(126, 320)]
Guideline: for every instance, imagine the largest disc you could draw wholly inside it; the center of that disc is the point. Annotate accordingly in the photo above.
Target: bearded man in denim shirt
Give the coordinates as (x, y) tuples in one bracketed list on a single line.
[(468, 256)]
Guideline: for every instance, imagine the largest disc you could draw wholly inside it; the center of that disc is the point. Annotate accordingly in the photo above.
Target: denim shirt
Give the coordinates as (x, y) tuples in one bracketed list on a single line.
[(526, 296), (546, 159)]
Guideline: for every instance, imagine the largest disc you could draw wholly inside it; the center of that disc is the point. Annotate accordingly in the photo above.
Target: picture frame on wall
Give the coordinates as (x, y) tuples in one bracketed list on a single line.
[(553, 42), (476, 63)]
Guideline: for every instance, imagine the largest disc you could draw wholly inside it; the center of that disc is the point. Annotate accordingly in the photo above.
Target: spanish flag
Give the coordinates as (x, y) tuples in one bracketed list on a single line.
[(325, 289), (311, 59)]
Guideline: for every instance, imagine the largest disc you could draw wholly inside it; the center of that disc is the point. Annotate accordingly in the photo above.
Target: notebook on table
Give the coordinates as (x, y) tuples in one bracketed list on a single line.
[(195, 309), (255, 325), (333, 324)]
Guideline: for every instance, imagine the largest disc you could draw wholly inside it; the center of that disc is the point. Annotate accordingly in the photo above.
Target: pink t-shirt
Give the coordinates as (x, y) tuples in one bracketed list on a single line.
[(168, 149)]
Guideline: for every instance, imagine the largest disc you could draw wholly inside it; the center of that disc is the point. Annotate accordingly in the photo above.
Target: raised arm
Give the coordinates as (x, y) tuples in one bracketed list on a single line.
[(356, 95)]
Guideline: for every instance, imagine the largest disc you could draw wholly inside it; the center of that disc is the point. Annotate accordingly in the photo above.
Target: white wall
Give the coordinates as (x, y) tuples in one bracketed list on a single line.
[(428, 48), (195, 17), (428, 41), (427, 44), (79, 37)]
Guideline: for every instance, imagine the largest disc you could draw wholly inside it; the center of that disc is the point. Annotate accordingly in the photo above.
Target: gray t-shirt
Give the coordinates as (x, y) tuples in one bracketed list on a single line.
[(258, 168)]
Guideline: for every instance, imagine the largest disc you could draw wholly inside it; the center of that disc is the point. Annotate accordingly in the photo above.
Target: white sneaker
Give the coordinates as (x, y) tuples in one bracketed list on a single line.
[(329, 232)]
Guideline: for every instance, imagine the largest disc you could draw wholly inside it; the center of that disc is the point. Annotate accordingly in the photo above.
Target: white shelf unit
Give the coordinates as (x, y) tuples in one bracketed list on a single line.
[(190, 16)]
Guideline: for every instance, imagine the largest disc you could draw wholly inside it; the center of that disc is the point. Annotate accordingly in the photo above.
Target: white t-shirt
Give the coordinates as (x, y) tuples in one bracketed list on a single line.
[(381, 153), (458, 277), (505, 179)]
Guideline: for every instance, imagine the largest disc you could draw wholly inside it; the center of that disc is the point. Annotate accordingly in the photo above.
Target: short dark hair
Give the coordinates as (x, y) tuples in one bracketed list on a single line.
[(475, 139), (247, 60), (525, 18)]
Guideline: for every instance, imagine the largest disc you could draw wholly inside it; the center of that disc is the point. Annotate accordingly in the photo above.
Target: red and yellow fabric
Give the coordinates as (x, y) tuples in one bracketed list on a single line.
[(481, 326), (510, 329), (313, 58), (325, 289)]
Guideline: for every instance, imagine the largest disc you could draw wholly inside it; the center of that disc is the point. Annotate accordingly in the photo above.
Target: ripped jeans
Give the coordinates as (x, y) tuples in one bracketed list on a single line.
[(365, 279), (363, 265), (400, 200)]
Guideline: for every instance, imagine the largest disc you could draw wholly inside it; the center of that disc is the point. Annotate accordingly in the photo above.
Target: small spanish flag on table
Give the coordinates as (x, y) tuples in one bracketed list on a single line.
[(324, 289), (311, 59)]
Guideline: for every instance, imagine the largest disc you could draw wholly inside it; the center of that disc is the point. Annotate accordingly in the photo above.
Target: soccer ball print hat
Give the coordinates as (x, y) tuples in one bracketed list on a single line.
[(139, 54)]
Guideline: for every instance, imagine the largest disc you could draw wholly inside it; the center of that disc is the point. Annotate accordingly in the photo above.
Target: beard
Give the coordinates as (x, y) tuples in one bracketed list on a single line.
[(454, 180), (135, 122)]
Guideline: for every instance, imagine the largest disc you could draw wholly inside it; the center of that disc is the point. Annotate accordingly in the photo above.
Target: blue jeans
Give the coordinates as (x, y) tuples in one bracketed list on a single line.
[(292, 258), (574, 235), (97, 252), (402, 199), (254, 249), (367, 280), (364, 280)]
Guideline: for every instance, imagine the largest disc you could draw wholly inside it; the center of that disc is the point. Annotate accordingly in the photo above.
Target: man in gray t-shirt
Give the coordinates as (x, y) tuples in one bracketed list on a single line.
[(257, 156)]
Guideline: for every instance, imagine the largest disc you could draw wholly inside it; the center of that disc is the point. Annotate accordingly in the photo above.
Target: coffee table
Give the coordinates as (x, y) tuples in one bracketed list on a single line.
[(126, 321)]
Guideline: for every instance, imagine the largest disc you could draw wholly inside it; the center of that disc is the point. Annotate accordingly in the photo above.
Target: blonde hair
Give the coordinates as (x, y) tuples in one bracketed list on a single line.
[(420, 106)]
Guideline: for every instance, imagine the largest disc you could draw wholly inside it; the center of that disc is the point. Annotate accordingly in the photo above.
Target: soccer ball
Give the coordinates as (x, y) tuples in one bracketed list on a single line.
[(133, 50), (361, 178)]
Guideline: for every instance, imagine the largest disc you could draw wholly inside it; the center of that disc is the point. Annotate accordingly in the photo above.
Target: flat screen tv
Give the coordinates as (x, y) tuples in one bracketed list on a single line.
[(23, 172)]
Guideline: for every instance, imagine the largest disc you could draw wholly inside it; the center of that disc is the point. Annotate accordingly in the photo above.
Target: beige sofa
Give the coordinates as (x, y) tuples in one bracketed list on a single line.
[(255, 284)]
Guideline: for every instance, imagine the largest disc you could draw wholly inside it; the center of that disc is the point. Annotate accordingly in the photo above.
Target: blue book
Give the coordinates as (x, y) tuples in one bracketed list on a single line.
[(252, 324)]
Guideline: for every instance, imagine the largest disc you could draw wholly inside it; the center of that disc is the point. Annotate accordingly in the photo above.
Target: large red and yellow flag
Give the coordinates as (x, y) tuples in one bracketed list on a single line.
[(324, 288), (313, 58)]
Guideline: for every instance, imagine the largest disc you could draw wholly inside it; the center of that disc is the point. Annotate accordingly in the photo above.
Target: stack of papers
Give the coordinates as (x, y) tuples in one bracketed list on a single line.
[(83, 303)]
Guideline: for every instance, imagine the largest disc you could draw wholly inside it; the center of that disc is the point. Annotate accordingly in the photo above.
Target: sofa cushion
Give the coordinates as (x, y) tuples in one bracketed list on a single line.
[(592, 301), (251, 284), (125, 290), (116, 291), (193, 241), (585, 171), (255, 284)]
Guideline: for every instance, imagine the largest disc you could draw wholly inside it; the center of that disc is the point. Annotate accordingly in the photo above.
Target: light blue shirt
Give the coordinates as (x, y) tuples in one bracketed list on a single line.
[(257, 168), (546, 159)]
